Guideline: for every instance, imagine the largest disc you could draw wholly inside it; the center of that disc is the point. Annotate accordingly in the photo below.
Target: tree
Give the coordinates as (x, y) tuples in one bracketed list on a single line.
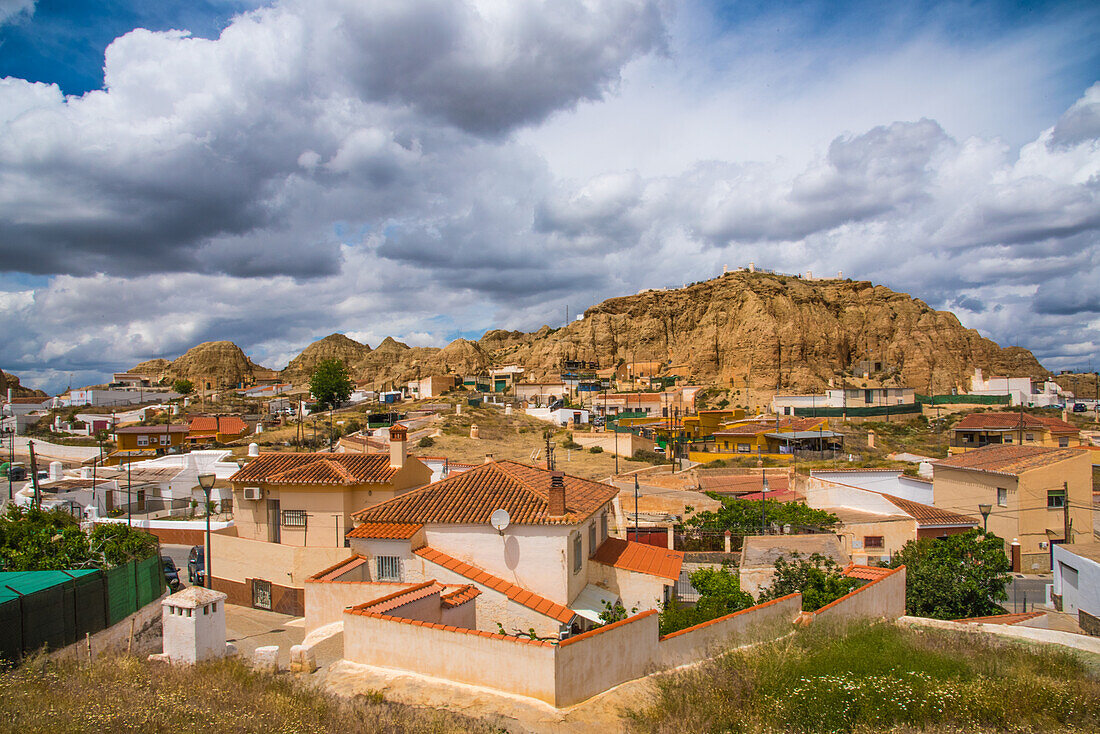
[(955, 577), (817, 578), (183, 386), (51, 540), (330, 383), (744, 516), (719, 594)]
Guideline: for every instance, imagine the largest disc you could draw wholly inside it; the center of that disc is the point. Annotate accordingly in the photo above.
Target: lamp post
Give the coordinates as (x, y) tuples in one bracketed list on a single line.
[(635, 507), (763, 499), (206, 481), (985, 510)]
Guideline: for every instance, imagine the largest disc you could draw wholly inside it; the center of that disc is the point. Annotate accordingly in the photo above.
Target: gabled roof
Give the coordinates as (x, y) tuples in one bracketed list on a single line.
[(640, 558), (471, 497), (230, 424), (1009, 421), (1010, 460), (927, 515), (460, 596), (518, 594), (742, 483), (317, 468), (384, 530), (866, 573)]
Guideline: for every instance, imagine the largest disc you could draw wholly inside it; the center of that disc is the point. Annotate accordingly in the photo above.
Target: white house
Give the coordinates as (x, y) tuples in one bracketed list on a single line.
[(546, 563), (1077, 583), (561, 416), (1020, 389)]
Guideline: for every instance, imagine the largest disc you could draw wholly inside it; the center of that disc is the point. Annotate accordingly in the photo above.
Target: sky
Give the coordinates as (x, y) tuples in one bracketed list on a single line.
[(270, 173)]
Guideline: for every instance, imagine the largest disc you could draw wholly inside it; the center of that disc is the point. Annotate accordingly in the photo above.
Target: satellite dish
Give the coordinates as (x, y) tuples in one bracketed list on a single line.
[(499, 520)]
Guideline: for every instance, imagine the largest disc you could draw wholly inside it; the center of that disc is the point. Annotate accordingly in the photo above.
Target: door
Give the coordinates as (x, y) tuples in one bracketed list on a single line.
[(1069, 588), (273, 518), (261, 594)]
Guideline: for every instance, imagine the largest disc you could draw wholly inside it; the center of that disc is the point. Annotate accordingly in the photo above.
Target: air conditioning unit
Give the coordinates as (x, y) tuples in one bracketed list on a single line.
[(253, 493)]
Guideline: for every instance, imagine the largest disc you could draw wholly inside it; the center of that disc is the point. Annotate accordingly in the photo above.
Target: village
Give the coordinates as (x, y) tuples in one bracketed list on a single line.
[(539, 544)]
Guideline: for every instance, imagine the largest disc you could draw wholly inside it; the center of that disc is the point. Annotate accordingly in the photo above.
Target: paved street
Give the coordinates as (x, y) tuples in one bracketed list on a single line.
[(1026, 591)]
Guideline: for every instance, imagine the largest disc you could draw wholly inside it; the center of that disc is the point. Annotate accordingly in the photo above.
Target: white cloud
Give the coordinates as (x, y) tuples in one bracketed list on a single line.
[(12, 11)]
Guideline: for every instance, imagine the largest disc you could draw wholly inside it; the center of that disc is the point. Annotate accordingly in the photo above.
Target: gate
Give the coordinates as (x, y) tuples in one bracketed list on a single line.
[(261, 594)]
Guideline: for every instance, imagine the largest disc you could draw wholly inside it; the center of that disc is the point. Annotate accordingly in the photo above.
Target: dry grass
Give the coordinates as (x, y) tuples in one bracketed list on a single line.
[(880, 678), (120, 693)]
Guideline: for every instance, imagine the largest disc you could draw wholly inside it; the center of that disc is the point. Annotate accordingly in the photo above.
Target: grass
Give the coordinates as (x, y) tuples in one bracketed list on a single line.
[(880, 678), (120, 693)]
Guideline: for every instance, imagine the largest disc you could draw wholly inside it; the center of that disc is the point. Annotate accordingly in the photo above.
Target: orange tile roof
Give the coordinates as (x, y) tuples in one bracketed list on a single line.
[(866, 573), (1008, 459), (1008, 421), (228, 424), (471, 497), (337, 570), (518, 594), (384, 530), (460, 596), (743, 483), (317, 468), (927, 515), (640, 558), (389, 602)]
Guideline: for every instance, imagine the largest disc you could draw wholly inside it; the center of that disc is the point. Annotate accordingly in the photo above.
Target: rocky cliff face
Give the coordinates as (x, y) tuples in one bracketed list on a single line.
[(334, 346), (764, 332), (9, 381), (221, 364)]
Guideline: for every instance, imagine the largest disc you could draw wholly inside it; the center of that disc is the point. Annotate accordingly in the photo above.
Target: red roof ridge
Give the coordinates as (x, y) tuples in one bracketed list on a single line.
[(326, 571), (384, 530), (516, 593), (385, 601)]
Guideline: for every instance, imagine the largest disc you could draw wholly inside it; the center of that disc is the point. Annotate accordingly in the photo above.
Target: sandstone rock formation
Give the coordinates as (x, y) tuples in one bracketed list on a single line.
[(9, 381), (221, 364), (333, 346)]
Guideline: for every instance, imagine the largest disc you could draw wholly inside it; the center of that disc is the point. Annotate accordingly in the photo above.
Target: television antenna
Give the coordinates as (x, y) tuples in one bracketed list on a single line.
[(499, 520)]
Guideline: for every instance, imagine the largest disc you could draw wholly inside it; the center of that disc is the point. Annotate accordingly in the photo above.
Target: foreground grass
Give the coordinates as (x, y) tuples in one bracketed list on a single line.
[(876, 679), (119, 693)]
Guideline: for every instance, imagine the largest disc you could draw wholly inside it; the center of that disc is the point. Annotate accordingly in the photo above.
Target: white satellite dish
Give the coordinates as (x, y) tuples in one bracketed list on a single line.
[(499, 520)]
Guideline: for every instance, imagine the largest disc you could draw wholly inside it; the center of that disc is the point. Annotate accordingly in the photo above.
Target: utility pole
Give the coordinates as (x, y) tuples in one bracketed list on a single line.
[(635, 507), (34, 476), (1067, 523)]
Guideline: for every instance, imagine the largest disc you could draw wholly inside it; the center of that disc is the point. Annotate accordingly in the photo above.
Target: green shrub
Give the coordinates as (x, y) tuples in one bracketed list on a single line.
[(426, 442), (595, 450)]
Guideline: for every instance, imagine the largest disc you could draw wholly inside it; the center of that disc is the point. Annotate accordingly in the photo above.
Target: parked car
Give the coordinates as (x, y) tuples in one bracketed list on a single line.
[(17, 472), (196, 566), (171, 574), (1079, 408)]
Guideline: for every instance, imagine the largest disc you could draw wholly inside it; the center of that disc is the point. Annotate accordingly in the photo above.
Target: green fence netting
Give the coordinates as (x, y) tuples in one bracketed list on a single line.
[(964, 399), (872, 410)]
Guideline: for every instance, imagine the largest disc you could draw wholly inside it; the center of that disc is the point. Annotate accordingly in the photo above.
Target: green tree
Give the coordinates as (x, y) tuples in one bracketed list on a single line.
[(183, 386), (719, 594), (818, 578), (744, 516), (51, 540), (330, 383), (955, 577)]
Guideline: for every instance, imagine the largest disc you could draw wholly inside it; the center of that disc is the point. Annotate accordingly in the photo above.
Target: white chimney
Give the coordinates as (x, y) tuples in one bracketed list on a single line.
[(840, 275), (809, 275), (57, 471), (253, 449), (752, 267), (488, 459), (398, 445)]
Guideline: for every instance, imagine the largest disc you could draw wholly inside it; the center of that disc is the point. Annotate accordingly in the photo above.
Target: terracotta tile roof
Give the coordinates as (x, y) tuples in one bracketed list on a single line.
[(460, 596), (1009, 421), (471, 496), (229, 424), (384, 530), (773, 495), (397, 599), (742, 484), (640, 558), (338, 569), (927, 515), (317, 468), (163, 428), (1002, 618), (866, 573), (1008, 459), (518, 594)]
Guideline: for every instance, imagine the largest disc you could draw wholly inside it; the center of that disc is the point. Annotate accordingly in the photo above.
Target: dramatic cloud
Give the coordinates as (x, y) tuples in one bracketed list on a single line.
[(396, 167)]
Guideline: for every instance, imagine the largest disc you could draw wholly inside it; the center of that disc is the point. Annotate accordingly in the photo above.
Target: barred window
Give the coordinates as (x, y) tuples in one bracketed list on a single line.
[(577, 550), (294, 518), (389, 568), (873, 541)]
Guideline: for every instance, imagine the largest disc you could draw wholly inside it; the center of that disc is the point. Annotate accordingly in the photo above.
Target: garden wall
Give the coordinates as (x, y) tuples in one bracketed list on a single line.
[(883, 598)]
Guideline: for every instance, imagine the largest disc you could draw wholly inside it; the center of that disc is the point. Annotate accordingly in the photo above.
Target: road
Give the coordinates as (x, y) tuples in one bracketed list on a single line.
[(1026, 591)]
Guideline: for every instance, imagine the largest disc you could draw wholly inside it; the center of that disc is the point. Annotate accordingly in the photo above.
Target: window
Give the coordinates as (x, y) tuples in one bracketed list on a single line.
[(1063, 442), (164, 440), (744, 448), (1008, 438), (1056, 498), (143, 441), (603, 526), (577, 550), (294, 518), (1029, 436), (1002, 497), (873, 541), (389, 568), (591, 538)]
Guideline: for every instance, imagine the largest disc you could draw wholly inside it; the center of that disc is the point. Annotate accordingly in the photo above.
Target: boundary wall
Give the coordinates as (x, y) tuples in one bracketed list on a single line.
[(883, 598)]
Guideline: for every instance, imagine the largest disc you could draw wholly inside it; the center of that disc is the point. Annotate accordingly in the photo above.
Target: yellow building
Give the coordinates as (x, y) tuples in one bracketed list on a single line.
[(1032, 493), (292, 511), (773, 438), (706, 422), (149, 440)]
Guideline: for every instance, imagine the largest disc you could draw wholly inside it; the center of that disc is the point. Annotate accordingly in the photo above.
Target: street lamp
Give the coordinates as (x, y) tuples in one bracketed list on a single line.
[(763, 499), (985, 510), (206, 481)]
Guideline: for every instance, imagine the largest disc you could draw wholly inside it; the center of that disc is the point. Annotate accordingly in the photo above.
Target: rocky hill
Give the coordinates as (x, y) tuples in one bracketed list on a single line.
[(765, 332), (220, 364), (333, 346), (752, 333), (9, 381)]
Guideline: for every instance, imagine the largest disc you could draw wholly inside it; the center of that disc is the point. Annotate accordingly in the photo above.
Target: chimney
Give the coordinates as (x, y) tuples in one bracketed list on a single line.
[(557, 495), (840, 275), (488, 459), (398, 446), (752, 267)]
